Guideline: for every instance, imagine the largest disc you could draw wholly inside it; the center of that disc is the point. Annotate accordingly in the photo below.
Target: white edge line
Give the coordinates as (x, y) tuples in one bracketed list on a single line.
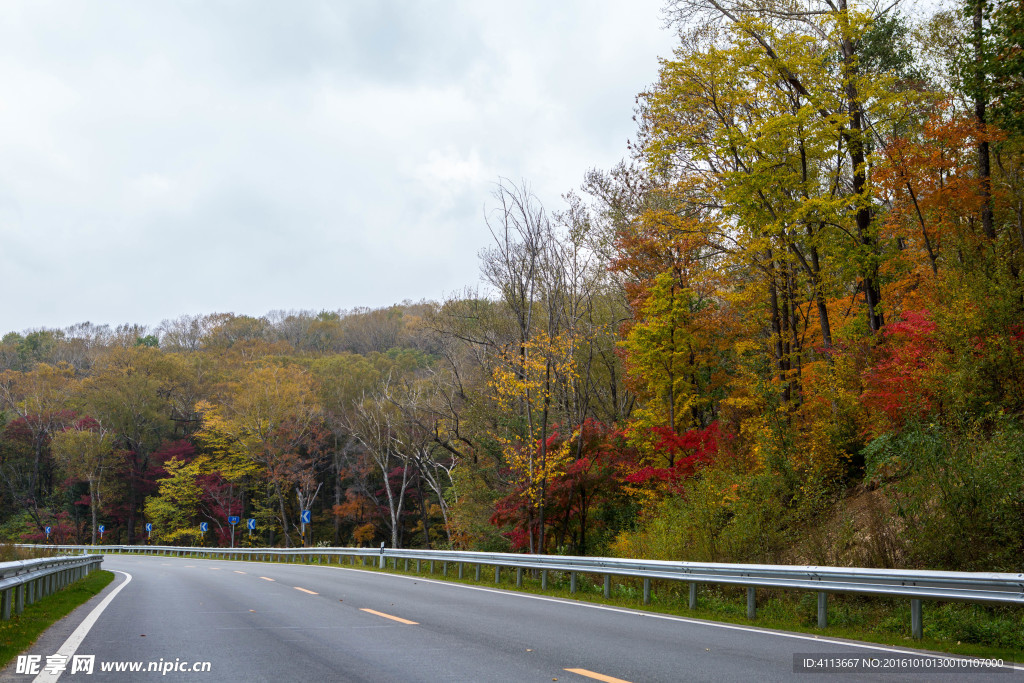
[(70, 645), (685, 620)]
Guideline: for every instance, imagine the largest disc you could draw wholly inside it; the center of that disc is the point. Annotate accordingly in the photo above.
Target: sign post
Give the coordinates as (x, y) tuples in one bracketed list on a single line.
[(233, 520), (203, 528), (102, 529), (251, 523), (48, 530), (306, 516), (149, 532)]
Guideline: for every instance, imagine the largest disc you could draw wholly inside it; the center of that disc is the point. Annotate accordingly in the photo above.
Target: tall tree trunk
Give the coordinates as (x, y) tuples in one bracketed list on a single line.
[(544, 452), (93, 504), (337, 494), (424, 517), (284, 517), (855, 142), (980, 116)]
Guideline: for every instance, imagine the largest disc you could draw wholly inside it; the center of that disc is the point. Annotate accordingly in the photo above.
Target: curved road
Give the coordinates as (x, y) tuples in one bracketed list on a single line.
[(278, 622)]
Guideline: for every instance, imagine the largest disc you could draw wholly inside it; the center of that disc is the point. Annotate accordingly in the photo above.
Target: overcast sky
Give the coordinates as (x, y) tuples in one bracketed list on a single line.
[(163, 158)]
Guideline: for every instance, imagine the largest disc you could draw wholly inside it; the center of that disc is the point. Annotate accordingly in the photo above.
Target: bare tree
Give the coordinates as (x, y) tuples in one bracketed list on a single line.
[(376, 424)]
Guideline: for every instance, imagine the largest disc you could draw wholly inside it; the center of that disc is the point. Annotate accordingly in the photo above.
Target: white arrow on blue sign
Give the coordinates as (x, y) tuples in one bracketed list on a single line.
[(49, 529), (252, 523), (306, 516), (204, 527), (233, 520), (102, 528), (149, 526)]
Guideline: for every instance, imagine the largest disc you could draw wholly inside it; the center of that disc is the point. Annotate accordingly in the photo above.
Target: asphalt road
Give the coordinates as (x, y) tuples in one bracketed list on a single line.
[(278, 622)]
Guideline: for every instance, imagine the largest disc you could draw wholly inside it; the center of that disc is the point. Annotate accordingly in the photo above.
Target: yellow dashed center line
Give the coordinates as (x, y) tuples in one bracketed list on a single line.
[(266, 578), (238, 572), (388, 616), (597, 676), (305, 591), (215, 568)]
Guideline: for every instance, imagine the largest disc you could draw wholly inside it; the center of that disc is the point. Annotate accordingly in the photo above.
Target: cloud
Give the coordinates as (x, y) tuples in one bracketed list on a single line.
[(167, 158)]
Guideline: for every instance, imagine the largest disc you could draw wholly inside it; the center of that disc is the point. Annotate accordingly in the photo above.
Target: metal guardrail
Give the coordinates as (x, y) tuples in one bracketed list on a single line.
[(917, 585), (23, 582)]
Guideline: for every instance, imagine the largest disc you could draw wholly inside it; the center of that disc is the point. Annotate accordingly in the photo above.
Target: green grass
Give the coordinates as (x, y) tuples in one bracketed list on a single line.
[(22, 630)]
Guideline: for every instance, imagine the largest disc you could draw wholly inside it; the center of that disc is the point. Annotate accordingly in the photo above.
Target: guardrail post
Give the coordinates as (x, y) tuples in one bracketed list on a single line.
[(543, 579), (572, 582), (417, 565), (407, 564), (497, 574), (461, 566), (5, 604), (478, 572), (519, 577), (431, 567), (19, 599), (607, 586), (916, 625), (751, 603), (822, 609), (647, 591), (693, 595), (444, 569)]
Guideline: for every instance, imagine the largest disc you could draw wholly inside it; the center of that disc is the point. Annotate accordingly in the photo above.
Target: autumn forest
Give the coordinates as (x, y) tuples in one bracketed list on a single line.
[(788, 327)]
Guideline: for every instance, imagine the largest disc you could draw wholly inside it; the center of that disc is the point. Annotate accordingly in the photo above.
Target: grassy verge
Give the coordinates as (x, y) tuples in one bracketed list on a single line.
[(22, 630), (957, 628)]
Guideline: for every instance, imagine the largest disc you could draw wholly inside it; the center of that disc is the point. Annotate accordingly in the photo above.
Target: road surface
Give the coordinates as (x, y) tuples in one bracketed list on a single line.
[(250, 621)]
